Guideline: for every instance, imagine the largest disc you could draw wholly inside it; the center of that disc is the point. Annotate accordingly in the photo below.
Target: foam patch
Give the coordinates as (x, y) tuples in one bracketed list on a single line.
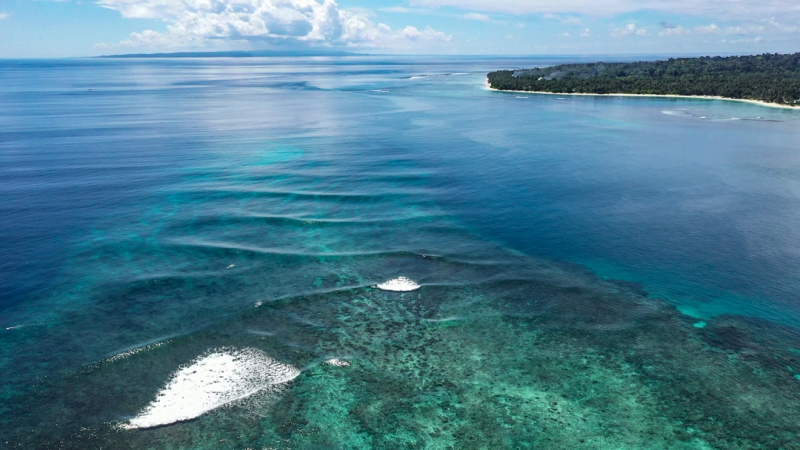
[(337, 362), (400, 284), (211, 381)]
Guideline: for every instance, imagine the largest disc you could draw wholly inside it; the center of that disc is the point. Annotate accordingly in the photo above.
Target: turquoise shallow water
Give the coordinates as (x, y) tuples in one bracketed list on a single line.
[(161, 217)]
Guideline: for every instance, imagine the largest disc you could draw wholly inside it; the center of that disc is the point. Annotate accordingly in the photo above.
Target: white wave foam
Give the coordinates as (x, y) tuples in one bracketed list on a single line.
[(444, 319), (17, 327), (400, 284), (135, 350), (337, 362), (211, 381)]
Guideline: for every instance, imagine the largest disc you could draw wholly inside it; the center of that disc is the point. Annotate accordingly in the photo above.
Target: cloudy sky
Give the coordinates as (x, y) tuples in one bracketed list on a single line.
[(49, 28)]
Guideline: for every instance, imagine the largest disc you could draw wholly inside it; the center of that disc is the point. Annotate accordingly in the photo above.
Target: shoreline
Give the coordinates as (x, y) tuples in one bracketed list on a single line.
[(701, 97)]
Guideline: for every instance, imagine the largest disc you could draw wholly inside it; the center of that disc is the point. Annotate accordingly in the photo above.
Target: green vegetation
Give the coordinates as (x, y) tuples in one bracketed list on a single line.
[(771, 78)]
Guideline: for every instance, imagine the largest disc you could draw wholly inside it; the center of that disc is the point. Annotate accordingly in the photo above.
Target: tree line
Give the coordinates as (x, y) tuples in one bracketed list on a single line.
[(771, 78)]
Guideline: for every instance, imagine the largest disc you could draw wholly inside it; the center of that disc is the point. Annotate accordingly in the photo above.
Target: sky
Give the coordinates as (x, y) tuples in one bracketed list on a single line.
[(62, 28)]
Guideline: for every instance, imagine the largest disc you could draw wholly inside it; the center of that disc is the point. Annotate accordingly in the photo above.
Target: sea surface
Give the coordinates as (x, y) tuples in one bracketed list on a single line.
[(193, 255)]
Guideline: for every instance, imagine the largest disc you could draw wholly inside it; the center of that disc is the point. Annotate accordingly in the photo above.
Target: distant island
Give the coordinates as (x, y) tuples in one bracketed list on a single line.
[(234, 54), (767, 78)]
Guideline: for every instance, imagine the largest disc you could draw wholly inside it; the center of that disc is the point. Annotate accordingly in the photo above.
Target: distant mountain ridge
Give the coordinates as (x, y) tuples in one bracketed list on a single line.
[(234, 54)]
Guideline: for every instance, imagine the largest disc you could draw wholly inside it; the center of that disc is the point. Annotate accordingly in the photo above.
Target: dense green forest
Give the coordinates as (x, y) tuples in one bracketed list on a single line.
[(771, 78)]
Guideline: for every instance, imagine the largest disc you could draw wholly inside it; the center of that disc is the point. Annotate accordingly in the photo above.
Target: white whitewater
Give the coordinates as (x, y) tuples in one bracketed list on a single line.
[(211, 381), (400, 284), (337, 362)]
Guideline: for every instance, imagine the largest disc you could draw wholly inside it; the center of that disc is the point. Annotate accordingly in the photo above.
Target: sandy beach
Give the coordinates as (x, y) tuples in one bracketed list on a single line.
[(704, 97)]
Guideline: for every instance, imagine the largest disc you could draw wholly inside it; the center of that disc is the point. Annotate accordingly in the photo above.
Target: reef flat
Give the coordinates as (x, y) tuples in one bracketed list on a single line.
[(551, 357)]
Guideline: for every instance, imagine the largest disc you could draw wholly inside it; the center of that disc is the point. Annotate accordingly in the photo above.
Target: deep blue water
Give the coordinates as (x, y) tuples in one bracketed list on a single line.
[(144, 201)]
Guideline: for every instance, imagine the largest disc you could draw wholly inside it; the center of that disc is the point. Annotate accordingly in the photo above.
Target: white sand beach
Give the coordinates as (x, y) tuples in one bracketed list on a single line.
[(704, 97)]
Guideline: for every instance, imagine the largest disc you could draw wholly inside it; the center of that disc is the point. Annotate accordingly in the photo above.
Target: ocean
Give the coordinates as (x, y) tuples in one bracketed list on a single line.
[(380, 252)]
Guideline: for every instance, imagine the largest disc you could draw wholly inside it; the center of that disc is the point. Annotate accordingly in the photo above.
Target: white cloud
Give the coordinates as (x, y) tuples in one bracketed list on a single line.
[(628, 30), (782, 27), (755, 40), (565, 19), (586, 32), (476, 16), (708, 29), (404, 10), (677, 31), (396, 9), (741, 30), (200, 22), (4, 16), (670, 29), (150, 38), (730, 9), (413, 34)]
